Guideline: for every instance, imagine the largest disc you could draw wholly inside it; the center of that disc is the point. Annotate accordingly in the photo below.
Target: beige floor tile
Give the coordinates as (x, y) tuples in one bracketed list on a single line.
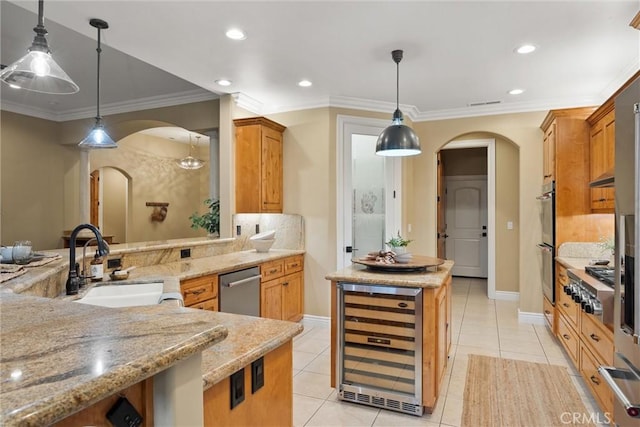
[(311, 384), (302, 359), (487, 340), (396, 419), (521, 346), (320, 365), (456, 385), (343, 414), (452, 413), (466, 350), (311, 344), (303, 409)]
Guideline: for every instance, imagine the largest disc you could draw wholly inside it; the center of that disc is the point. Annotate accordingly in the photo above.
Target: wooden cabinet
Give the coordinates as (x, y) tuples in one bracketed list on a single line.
[(549, 154), (589, 370), (282, 289), (443, 333), (201, 292), (549, 314), (271, 405), (566, 161), (602, 156), (258, 168)]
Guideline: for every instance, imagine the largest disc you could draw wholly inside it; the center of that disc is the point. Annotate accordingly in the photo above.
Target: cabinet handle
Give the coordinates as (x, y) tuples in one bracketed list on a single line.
[(273, 270), (294, 265), (196, 291), (566, 337), (565, 304), (602, 200), (595, 337), (547, 312), (547, 176), (285, 284), (595, 380)]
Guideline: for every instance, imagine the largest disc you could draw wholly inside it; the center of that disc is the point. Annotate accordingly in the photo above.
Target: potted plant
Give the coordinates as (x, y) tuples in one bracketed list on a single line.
[(210, 220), (398, 244)]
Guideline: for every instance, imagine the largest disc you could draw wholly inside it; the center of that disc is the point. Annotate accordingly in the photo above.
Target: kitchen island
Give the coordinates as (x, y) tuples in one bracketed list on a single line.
[(435, 313)]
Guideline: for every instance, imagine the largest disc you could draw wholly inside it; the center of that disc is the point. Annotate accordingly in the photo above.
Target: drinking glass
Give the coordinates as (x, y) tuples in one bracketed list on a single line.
[(22, 252)]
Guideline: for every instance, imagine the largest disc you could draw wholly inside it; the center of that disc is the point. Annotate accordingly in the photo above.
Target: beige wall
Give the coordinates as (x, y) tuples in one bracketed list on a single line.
[(34, 170), (114, 204)]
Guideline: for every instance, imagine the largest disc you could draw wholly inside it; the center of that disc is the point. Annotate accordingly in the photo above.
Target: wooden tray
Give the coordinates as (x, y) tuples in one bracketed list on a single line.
[(417, 263)]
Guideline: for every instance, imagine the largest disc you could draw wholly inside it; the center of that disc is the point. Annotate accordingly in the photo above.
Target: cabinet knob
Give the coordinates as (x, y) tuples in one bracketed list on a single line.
[(595, 380), (566, 337)]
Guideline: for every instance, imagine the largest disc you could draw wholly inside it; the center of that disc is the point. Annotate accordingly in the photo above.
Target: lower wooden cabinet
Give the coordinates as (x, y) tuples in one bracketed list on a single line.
[(140, 395), (549, 314), (282, 289), (589, 370), (271, 405), (201, 292)]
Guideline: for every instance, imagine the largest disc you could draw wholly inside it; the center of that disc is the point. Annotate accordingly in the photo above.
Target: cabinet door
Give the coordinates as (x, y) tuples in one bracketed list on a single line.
[(271, 299), (609, 126), (199, 289), (247, 167), (271, 173), (449, 325), (292, 286), (442, 334), (597, 163), (549, 154)]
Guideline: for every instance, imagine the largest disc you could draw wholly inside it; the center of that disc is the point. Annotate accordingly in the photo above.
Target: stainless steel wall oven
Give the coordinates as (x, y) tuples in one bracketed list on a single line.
[(547, 245)]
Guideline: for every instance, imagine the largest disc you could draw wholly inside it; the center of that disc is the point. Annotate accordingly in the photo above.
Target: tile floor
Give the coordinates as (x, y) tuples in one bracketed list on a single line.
[(480, 326)]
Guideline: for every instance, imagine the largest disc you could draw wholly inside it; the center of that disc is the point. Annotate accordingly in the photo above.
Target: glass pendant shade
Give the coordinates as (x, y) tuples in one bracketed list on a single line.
[(397, 139), (98, 138), (37, 71), (189, 162)]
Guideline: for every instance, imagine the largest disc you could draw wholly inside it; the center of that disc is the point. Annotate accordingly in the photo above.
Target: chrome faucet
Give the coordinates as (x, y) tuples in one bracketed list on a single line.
[(73, 281)]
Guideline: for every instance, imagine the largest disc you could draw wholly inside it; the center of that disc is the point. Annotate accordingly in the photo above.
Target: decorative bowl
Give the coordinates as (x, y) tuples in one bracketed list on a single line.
[(262, 245)]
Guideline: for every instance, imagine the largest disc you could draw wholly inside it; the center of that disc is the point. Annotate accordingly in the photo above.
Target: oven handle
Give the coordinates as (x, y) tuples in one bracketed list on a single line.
[(544, 197), (544, 247), (633, 410)]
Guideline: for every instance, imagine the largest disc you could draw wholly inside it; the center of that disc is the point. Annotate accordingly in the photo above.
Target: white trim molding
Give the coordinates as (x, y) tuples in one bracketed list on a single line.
[(323, 320), (507, 296), (531, 318)]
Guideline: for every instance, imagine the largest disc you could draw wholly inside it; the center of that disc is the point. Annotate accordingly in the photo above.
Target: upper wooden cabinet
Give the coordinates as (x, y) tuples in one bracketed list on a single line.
[(549, 154), (258, 165), (602, 158)]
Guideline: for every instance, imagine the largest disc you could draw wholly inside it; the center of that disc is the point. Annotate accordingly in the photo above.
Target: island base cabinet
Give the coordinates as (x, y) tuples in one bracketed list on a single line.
[(271, 405), (140, 395)]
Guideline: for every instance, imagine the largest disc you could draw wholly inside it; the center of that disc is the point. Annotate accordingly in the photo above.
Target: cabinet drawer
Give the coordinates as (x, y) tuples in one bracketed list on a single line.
[(568, 307), (597, 338), (599, 388), (568, 338), (272, 270), (293, 264), (199, 289), (211, 305), (561, 275)]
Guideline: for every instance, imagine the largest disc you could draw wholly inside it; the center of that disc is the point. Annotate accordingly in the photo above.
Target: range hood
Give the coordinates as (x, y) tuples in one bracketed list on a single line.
[(605, 180)]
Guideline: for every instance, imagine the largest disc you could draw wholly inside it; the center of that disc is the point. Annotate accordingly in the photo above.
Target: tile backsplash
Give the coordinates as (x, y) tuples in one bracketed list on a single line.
[(289, 229)]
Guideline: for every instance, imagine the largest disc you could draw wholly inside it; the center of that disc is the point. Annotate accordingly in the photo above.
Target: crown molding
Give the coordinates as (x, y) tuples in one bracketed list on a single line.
[(167, 100), (248, 103)]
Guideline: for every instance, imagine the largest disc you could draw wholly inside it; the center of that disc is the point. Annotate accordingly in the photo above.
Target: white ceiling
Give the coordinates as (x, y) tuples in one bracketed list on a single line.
[(455, 53)]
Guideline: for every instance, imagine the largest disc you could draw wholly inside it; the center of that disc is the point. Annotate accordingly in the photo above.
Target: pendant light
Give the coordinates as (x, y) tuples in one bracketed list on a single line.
[(190, 162), (397, 139), (37, 71), (98, 137)]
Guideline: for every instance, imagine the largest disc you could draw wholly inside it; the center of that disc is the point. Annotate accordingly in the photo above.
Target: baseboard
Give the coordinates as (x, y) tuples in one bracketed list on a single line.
[(532, 318), (317, 319), (507, 295)]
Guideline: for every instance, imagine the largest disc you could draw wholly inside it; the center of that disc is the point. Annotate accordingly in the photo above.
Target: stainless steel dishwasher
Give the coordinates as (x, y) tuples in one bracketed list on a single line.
[(240, 292)]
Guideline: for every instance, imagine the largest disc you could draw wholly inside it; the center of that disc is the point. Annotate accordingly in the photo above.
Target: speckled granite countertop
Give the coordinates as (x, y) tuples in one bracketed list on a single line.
[(580, 254), (59, 357), (431, 278)]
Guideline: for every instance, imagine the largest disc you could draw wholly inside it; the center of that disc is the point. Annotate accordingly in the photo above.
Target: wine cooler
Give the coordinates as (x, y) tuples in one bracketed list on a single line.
[(380, 346)]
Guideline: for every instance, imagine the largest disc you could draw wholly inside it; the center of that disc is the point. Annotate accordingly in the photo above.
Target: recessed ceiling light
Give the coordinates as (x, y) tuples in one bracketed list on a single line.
[(304, 83), (516, 91), (236, 34), (224, 82), (525, 48)]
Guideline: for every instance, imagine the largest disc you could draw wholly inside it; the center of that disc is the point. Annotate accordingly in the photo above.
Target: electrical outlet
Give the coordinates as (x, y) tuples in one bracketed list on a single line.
[(509, 225), (237, 388), (114, 263), (185, 253), (238, 230), (257, 228), (257, 375), (123, 414)]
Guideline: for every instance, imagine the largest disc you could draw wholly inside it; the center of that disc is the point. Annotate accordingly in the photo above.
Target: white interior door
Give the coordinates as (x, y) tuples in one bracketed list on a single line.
[(466, 222), (369, 193)]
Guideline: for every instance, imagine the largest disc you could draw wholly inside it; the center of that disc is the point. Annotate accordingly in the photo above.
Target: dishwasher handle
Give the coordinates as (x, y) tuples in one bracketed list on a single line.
[(242, 281)]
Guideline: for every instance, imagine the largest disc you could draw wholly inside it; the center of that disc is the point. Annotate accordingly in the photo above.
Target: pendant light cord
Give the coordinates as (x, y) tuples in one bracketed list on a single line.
[(99, 50), (40, 15), (397, 85)]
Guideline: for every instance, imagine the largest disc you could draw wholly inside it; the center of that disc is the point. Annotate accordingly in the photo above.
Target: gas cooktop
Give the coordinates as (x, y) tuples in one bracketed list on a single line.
[(605, 274)]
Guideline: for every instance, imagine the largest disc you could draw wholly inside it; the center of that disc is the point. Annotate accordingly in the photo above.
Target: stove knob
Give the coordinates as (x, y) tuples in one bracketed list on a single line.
[(577, 296), (567, 289), (597, 307), (588, 307)]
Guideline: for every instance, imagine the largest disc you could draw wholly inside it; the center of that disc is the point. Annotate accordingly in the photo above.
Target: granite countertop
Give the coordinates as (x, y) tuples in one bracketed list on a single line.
[(431, 278), (59, 357)]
